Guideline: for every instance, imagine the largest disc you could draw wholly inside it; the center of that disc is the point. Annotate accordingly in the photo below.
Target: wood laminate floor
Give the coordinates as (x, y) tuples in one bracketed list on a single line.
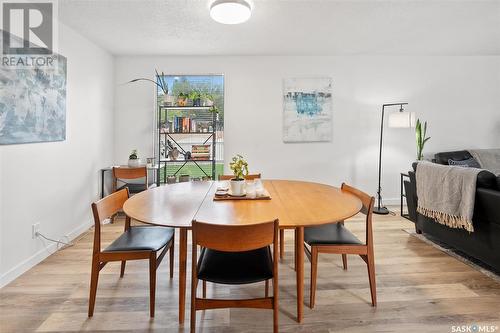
[(420, 289)]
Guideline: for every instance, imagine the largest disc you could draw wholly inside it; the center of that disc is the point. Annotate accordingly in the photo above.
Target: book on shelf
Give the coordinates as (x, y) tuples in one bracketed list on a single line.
[(185, 125)]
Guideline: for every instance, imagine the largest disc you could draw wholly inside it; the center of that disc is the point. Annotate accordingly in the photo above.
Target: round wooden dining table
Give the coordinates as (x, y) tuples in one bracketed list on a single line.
[(297, 204)]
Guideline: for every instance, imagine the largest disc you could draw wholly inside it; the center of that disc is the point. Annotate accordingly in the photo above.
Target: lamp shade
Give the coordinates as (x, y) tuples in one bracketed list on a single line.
[(230, 11), (402, 119)]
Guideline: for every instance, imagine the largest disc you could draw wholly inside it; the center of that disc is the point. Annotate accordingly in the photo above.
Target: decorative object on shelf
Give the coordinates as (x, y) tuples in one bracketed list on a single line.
[(307, 109), (133, 160), (230, 11), (200, 152), (207, 100), (150, 162), (184, 178), (33, 101), (240, 169), (171, 179), (173, 154), (400, 119), (181, 99), (421, 138)]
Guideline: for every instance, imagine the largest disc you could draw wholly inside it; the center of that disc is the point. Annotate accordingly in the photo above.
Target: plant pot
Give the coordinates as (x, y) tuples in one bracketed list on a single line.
[(134, 163), (181, 101), (207, 102), (183, 178), (197, 102), (237, 187), (168, 100), (171, 179)]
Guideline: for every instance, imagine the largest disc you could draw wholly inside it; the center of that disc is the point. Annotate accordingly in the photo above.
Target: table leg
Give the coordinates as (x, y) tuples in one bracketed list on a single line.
[(299, 255), (182, 273)]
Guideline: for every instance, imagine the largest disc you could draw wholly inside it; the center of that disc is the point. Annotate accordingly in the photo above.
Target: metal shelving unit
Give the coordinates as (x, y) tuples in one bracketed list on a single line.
[(201, 113)]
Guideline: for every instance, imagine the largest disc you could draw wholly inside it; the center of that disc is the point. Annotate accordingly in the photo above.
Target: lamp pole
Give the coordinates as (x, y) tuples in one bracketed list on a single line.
[(379, 209)]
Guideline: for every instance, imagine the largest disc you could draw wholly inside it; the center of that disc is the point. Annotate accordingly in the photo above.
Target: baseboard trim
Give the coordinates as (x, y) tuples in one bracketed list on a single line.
[(390, 201), (39, 256)]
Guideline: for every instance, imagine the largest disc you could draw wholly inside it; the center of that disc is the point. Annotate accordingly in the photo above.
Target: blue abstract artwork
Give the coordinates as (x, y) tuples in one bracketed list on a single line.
[(307, 109), (33, 103)]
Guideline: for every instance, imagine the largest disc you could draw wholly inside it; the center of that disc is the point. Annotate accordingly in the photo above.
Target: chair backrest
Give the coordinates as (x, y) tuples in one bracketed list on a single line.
[(105, 208), (235, 238), (367, 209), (247, 177), (129, 173)]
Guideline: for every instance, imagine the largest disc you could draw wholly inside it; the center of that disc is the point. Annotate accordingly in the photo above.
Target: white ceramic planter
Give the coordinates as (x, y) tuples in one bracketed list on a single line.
[(134, 163), (237, 187)]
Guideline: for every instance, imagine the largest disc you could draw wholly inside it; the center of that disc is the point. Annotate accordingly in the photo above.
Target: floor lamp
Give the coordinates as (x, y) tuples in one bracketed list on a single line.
[(399, 119)]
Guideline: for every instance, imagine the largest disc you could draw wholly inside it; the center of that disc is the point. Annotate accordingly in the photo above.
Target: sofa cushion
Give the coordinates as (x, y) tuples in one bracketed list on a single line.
[(498, 182), (442, 158), (468, 163)]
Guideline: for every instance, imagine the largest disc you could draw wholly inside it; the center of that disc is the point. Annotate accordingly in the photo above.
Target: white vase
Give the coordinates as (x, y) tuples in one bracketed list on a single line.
[(237, 187), (134, 163)]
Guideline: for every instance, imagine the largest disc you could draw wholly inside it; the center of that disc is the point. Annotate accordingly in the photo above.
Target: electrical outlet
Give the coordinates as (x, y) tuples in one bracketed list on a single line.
[(35, 229)]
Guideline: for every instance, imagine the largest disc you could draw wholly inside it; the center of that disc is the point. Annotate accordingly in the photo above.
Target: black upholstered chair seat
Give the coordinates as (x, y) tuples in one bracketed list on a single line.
[(235, 267), (334, 233), (135, 188), (142, 239)]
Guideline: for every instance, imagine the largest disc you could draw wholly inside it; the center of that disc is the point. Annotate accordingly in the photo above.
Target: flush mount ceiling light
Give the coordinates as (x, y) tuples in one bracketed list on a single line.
[(230, 11)]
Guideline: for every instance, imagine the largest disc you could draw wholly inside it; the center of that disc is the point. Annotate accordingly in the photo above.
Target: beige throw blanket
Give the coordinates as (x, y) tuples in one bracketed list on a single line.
[(447, 194), (488, 159)]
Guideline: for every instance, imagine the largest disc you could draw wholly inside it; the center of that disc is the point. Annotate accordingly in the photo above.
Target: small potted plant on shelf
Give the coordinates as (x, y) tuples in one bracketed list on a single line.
[(133, 160), (240, 169), (195, 96)]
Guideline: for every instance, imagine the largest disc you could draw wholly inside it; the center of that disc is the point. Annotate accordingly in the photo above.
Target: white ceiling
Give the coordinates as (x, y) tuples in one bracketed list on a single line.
[(290, 27)]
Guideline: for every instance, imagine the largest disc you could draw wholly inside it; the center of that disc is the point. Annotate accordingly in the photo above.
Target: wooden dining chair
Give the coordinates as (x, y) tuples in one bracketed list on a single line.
[(122, 174), (125, 173), (336, 238), (136, 242), (235, 254)]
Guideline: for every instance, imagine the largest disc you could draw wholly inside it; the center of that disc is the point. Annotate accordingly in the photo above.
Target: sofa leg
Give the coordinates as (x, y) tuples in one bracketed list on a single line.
[(417, 230)]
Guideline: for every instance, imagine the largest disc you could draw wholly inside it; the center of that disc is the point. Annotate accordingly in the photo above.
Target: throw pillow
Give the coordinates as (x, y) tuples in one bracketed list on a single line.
[(468, 163)]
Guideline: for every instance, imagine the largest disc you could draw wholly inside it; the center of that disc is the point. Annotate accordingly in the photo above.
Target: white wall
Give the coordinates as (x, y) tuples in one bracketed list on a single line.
[(54, 183), (458, 96)]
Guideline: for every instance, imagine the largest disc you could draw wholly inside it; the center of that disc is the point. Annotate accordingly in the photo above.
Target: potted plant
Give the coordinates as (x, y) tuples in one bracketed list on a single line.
[(160, 83), (133, 160), (421, 138), (195, 96), (240, 169)]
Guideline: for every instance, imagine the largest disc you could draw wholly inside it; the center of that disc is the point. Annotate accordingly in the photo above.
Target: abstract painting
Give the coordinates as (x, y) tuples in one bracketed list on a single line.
[(33, 103), (307, 109)]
